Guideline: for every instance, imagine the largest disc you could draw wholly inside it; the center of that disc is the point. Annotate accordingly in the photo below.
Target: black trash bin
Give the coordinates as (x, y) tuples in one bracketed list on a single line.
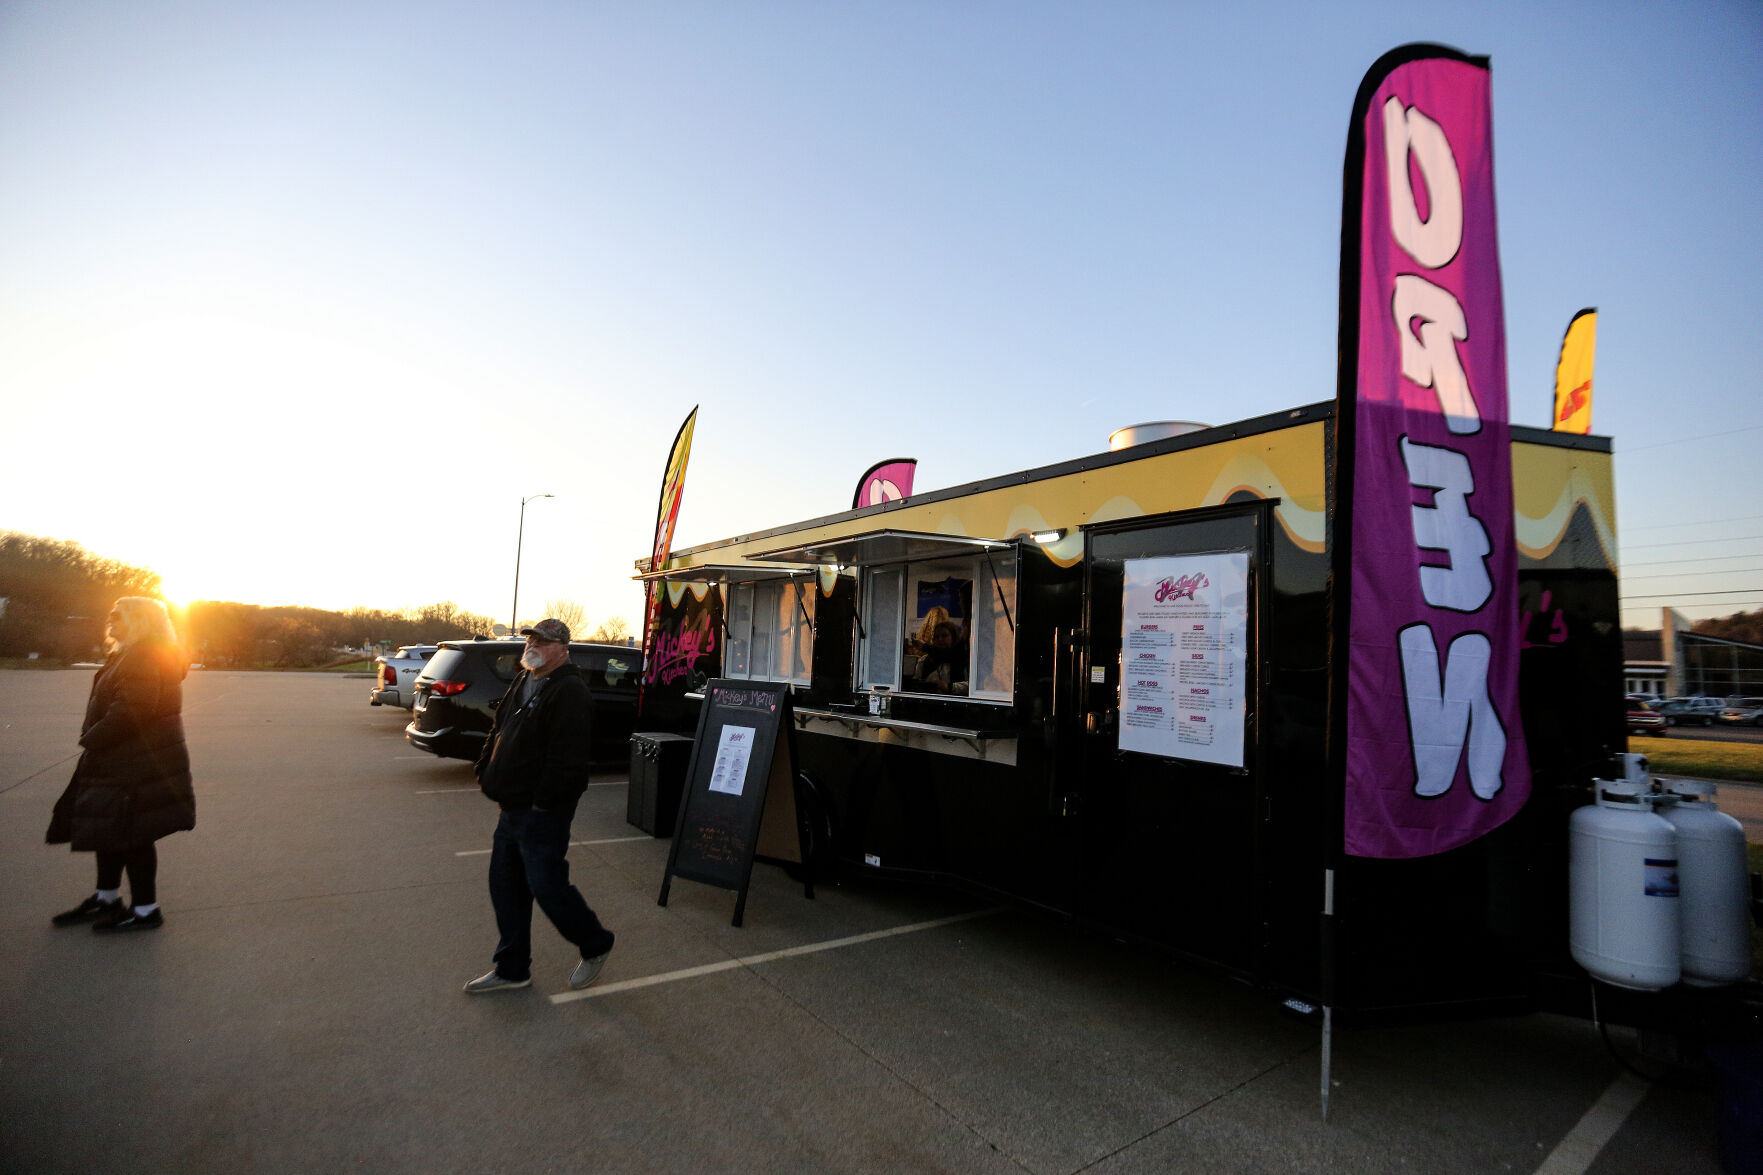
[(658, 777)]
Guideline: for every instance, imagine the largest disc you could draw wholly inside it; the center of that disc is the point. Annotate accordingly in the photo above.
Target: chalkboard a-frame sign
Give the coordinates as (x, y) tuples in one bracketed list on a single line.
[(740, 794)]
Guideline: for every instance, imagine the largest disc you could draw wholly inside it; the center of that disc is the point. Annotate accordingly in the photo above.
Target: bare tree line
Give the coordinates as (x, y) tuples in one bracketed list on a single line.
[(55, 595), (615, 631)]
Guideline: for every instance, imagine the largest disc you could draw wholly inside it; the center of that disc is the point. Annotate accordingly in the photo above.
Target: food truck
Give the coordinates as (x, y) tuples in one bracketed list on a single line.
[(1104, 688), (1310, 698)]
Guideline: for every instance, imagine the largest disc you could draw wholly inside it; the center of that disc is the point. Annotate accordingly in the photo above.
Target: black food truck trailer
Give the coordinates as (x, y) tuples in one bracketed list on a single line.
[(970, 705)]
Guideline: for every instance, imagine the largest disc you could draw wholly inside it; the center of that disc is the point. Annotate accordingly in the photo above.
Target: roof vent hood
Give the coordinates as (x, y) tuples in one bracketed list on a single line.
[(1156, 430)]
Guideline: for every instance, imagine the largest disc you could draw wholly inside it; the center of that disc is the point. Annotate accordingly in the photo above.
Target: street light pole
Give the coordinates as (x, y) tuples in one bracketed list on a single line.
[(519, 539)]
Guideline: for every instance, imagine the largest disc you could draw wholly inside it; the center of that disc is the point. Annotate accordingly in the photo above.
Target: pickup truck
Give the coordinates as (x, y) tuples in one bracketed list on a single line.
[(395, 675)]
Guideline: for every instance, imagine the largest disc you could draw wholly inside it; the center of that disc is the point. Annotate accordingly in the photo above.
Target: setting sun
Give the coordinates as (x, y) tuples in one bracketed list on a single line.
[(173, 592)]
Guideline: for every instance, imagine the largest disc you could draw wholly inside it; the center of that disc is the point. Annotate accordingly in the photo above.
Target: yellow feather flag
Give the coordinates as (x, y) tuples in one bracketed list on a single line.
[(673, 487), (1573, 374)]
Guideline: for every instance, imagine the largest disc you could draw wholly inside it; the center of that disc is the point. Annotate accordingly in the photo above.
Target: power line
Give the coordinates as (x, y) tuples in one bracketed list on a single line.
[(1691, 574), (1703, 522), (1688, 559), (1678, 595), (1685, 440), (1691, 542)]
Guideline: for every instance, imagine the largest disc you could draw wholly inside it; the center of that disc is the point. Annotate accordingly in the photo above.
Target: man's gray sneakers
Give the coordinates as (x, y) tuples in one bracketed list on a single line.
[(587, 971), (495, 982)]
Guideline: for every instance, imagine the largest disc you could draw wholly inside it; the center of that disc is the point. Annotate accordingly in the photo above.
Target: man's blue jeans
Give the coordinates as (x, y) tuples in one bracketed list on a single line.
[(527, 865)]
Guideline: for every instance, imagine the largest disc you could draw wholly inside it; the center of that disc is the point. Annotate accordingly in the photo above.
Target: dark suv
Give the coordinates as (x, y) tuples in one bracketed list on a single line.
[(461, 686)]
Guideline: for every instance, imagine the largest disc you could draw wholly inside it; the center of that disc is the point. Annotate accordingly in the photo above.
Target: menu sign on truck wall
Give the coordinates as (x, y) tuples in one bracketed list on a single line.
[(1184, 657)]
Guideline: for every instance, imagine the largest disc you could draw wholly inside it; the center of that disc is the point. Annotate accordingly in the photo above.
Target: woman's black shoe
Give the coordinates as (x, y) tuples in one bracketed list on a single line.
[(127, 919), (90, 910)]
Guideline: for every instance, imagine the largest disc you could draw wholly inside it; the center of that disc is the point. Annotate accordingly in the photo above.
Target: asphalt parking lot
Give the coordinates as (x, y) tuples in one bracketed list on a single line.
[(300, 1010)]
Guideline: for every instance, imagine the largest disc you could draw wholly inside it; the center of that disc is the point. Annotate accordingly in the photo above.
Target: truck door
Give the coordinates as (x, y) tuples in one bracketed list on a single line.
[(1169, 805)]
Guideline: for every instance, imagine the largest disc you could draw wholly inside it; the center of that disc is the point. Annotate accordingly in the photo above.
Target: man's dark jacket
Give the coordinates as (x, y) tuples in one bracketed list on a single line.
[(537, 755)]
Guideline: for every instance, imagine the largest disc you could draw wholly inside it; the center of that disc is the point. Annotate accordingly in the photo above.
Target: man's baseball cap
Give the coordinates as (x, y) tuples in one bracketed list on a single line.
[(548, 630)]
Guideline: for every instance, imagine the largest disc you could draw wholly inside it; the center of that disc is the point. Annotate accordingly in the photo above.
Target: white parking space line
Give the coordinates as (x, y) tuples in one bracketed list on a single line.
[(612, 783), (1576, 1153), (611, 840), (768, 957)]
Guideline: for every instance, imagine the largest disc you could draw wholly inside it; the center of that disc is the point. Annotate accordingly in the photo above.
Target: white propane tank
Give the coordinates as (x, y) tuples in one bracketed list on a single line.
[(1624, 925), (1714, 884)]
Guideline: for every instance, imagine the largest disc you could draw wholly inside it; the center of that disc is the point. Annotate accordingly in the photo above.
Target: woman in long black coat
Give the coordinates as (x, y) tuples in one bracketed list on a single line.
[(132, 784)]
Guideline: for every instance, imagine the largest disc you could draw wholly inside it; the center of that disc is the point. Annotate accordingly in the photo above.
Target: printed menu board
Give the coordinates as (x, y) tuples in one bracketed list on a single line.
[(1184, 657), (729, 775)]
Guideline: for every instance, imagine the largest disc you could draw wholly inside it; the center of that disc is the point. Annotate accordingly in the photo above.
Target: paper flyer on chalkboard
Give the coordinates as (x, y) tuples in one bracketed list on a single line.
[(1184, 656), (729, 776)]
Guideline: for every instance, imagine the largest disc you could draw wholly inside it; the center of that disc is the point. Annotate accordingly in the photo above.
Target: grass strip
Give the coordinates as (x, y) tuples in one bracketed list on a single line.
[(1700, 759)]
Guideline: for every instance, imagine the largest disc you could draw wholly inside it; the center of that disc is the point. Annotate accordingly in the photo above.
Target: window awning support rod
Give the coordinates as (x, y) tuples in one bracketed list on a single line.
[(1000, 590)]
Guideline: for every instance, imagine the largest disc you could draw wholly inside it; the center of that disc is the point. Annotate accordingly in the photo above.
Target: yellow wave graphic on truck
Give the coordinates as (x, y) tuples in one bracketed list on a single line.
[(1288, 466), (1548, 486)]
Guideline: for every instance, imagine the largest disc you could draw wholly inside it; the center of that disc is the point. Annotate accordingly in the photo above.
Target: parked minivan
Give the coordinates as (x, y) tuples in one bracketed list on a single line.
[(1690, 711)]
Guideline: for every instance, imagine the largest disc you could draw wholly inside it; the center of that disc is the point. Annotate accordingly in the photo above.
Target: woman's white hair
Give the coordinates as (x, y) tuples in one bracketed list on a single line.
[(140, 618)]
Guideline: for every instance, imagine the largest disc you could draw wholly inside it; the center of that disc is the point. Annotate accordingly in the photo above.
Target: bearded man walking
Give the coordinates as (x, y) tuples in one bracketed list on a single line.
[(535, 766)]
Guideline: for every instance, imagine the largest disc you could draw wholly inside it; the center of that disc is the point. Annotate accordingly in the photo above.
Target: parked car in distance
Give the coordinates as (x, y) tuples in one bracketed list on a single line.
[(458, 692), (1744, 712), (1690, 711), (395, 675), (1642, 718)]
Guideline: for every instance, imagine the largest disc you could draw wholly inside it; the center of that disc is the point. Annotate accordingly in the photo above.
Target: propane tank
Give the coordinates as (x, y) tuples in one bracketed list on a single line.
[(1714, 881), (1624, 920)]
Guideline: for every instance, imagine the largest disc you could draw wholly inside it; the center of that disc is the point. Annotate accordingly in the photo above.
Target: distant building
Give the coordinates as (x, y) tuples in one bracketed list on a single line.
[(1644, 668), (1672, 661)]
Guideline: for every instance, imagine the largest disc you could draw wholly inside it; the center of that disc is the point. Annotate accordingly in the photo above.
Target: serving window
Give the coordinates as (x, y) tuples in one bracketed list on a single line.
[(770, 630), (941, 626)]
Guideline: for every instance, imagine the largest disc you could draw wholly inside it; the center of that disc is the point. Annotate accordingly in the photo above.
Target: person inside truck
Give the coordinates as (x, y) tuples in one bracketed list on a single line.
[(921, 641), (944, 663)]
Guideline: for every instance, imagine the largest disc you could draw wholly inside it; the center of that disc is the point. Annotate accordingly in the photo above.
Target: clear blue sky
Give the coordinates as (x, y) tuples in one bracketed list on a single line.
[(298, 301)]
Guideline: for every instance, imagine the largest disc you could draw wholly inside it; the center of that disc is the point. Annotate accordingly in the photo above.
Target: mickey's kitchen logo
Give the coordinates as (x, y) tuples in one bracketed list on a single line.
[(1175, 587)]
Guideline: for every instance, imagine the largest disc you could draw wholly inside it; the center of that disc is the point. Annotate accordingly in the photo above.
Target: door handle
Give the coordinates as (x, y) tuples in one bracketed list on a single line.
[(1058, 680)]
